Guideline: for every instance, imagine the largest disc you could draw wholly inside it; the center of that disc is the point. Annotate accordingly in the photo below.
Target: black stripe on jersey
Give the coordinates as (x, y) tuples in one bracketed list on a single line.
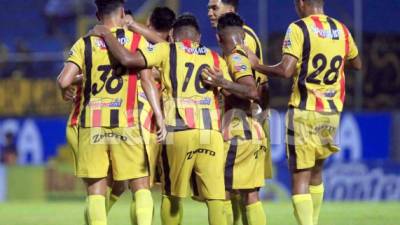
[(174, 83), (206, 119), (114, 118), (246, 126), (291, 145), (332, 106), (258, 47), (334, 28), (88, 73), (166, 170), (301, 83), (230, 163)]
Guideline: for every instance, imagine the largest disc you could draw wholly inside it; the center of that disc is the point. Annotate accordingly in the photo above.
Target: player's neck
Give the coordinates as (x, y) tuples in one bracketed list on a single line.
[(314, 11), (111, 22)]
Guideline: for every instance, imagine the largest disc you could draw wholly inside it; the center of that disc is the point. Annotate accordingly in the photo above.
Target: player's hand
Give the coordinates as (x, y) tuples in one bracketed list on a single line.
[(99, 30), (254, 60), (212, 77), (68, 94), (78, 79), (161, 129)]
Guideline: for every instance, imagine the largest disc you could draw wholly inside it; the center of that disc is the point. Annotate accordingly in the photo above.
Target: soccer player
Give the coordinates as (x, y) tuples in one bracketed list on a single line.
[(108, 127), (194, 144), (217, 8), (316, 50), (158, 25)]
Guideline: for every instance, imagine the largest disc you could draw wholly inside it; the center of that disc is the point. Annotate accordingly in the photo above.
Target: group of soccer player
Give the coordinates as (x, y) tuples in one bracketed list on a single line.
[(150, 103)]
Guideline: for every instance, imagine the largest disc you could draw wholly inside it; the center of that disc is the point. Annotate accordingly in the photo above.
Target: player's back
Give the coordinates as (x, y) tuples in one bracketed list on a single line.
[(109, 93), (188, 104), (322, 45)]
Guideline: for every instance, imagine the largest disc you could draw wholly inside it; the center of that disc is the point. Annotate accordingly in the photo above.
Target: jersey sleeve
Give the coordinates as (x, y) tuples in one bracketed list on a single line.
[(224, 69), (293, 43), (239, 65), (155, 55), (353, 50), (76, 54)]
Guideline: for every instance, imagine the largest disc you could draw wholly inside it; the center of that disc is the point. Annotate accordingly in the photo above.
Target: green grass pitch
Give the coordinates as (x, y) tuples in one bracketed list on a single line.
[(70, 213)]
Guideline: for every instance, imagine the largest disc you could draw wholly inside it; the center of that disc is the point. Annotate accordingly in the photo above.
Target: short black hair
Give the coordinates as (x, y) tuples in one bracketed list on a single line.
[(234, 3), (162, 18), (128, 12), (229, 20), (185, 20), (315, 2), (105, 7)]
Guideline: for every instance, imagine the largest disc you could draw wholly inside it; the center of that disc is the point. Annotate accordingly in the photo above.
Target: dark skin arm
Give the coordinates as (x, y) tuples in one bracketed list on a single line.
[(354, 64), (153, 96), (123, 55), (245, 88), (66, 79), (145, 31)]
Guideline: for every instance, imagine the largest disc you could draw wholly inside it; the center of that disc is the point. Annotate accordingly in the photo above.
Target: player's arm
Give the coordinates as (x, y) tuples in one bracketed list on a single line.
[(215, 78), (353, 60), (153, 96), (69, 74), (285, 68), (123, 55), (145, 31)]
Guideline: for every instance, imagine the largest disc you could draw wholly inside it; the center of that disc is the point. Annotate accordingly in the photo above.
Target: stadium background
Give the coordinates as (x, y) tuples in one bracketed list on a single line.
[(35, 34)]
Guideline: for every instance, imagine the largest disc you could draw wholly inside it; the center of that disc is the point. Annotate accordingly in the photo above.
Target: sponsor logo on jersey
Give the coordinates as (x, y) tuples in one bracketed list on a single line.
[(97, 138), (240, 68), (150, 47), (190, 154), (103, 46), (190, 101), (110, 103), (325, 33), (196, 51), (71, 53)]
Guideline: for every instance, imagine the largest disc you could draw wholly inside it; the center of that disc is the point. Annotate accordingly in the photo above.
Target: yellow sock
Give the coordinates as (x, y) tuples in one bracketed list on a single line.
[(86, 215), (171, 210), (236, 209), (255, 214), (317, 196), (303, 206), (96, 210), (133, 212), (144, 207), (111, 201), (216, 214), (228, 212)]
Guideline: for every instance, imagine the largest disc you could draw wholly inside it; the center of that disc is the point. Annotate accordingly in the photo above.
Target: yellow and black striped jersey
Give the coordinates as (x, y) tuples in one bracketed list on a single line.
[(322, 45), (109, 89), (252, 41), (146, 113), (187, 103), (238, 121)]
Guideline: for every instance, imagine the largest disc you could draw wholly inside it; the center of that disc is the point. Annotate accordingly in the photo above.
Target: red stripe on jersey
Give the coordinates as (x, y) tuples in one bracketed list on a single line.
[(317, 23), (189, 114), (132, 84), (148, 121), (187, 43), (77, 106), (216, 64), (96, 118), (342, 77), (319, 104), (258, 131)]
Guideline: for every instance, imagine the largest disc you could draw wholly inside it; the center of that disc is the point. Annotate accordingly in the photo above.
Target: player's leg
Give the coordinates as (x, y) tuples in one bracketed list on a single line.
[(301, 159), (117, 188), (209, 170), (142, 206), (254, 209), (237, 209), (95, 209), (94, 173), (317, 189), (130, 162), (177, 159)]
